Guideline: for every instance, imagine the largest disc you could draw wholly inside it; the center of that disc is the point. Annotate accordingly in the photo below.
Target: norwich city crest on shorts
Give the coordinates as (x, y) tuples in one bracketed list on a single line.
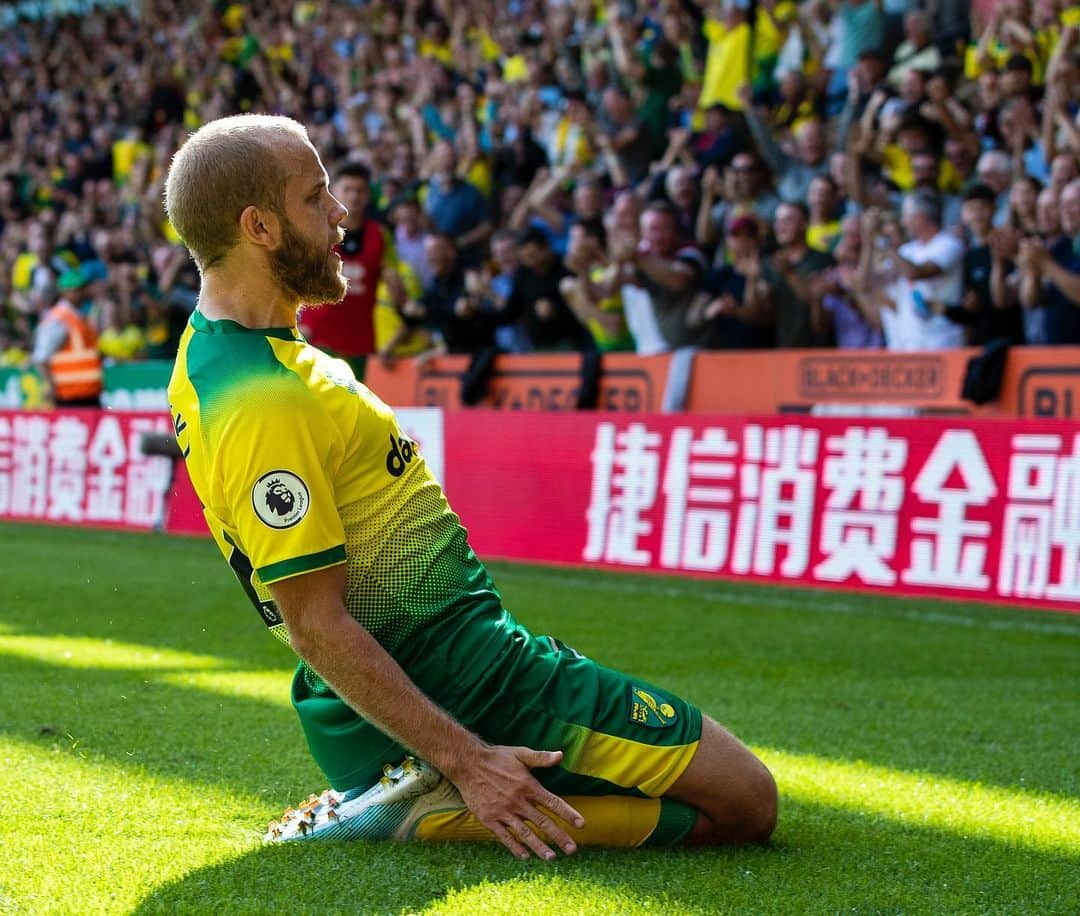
[(650, 710)]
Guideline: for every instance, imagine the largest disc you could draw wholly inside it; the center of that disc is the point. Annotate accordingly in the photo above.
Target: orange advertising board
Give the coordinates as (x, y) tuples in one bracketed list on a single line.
[(537, 381), (1038, 382), (798, 381), (1043, 382)]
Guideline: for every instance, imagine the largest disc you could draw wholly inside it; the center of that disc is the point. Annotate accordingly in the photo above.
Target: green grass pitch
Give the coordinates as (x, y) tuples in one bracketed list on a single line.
[(927, 753)]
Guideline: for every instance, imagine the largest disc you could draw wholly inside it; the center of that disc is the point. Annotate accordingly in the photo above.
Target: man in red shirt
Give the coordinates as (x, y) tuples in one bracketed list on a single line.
[(347, 328)]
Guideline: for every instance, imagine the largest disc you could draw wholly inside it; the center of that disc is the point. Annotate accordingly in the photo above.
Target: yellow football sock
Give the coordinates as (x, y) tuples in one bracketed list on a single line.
[(610, 820)]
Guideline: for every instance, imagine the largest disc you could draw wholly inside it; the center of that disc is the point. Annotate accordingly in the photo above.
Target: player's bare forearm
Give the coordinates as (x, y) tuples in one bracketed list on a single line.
[(363, 673)]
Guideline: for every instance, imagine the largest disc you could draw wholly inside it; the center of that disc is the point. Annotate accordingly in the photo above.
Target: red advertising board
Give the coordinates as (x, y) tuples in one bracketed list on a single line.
[(977, 509), (986, 510), (82, 467)]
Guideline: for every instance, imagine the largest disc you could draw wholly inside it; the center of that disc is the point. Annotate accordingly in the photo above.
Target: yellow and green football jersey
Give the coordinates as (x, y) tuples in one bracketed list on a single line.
[(300, 467)]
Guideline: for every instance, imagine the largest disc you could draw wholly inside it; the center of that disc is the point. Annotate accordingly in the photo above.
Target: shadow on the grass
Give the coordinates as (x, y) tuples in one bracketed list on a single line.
[(956, 702), (134, 716), (128, 718), (125, 586), (822, 860)]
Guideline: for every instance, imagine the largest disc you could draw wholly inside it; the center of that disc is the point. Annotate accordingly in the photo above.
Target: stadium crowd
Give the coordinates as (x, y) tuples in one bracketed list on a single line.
[(637, 175)]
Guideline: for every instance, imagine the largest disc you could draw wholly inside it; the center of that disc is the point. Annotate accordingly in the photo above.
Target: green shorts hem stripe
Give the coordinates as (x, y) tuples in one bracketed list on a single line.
[(676, 821), (284, 569)]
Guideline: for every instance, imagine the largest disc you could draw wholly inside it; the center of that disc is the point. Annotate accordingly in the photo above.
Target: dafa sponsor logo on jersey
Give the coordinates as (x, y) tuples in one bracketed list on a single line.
[(280, 499), (402, 451)]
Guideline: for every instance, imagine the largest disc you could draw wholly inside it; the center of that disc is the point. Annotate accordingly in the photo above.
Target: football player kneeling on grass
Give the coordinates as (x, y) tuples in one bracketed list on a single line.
[(345, 544)]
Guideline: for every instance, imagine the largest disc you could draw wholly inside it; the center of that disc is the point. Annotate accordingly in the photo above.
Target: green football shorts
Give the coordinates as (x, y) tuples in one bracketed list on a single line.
[(618, 734)]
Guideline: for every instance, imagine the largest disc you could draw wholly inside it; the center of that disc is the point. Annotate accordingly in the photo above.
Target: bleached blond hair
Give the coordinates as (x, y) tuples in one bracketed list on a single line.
[(224, 167)]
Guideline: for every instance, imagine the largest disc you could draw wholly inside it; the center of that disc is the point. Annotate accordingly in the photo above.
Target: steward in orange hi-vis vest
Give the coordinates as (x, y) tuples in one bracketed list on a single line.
[(76, 367)]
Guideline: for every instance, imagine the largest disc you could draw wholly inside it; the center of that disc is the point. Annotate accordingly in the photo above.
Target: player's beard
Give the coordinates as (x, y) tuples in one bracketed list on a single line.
[(306, 271)]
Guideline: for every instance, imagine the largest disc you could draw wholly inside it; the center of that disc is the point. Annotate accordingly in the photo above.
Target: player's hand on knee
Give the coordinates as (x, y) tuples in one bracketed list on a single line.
[(507, 799)]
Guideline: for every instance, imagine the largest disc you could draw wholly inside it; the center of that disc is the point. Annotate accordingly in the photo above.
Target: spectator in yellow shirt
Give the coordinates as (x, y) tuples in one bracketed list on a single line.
[(727, 65)]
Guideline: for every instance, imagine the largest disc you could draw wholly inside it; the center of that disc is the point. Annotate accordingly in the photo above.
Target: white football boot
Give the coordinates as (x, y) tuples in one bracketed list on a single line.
[(390, 809)]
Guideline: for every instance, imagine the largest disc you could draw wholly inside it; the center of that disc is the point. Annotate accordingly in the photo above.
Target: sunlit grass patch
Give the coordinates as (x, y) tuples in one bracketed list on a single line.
[(926, 762), (81, 835), (99, 654), (1039, 821)]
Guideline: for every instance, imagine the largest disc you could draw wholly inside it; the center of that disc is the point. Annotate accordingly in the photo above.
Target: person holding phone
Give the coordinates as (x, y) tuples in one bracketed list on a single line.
[(929, 279)]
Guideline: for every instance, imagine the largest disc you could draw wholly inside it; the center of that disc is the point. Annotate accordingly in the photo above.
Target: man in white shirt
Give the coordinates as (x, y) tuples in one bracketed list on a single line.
[(917, 51), (929, 279)]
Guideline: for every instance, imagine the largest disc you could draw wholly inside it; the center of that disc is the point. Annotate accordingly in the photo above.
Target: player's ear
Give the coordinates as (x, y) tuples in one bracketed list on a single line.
[(260, 227)]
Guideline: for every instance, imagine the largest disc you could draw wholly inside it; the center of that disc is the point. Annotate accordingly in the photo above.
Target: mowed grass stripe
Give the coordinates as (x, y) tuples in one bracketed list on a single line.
[(1040, 821), (885, 728), (100, 654)]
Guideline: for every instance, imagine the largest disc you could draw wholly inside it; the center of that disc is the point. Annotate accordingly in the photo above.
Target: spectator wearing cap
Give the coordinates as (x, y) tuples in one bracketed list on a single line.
[(65, 351), (735, 310), (1052, 276)]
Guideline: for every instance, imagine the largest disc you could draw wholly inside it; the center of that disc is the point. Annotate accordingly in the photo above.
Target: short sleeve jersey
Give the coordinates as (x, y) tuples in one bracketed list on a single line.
[(300, 467)]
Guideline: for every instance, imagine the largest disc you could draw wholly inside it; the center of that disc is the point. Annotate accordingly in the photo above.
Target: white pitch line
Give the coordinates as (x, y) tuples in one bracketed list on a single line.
[(807, 602)]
